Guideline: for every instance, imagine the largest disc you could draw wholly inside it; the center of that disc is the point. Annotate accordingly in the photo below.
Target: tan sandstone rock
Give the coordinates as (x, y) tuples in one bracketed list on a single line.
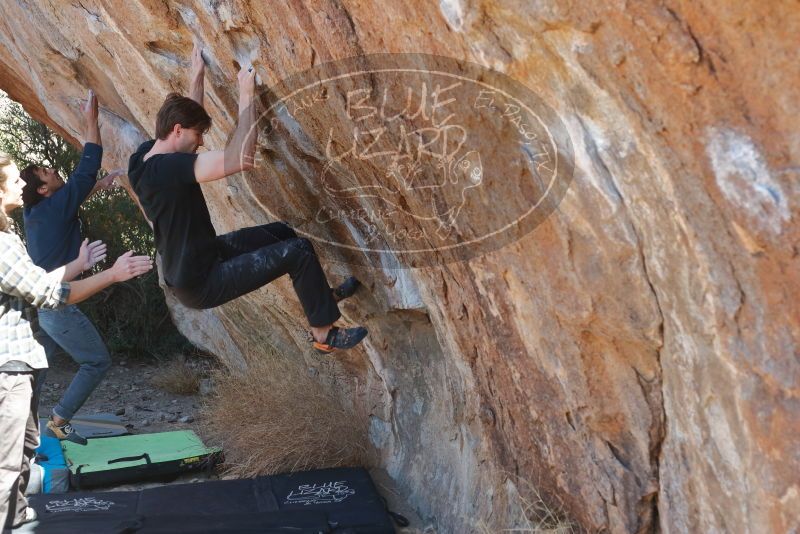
[(634, 358)]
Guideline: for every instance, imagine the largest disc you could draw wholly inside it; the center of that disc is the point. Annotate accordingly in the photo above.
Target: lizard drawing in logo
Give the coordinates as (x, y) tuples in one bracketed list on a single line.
[(429, 187), (83, 504)]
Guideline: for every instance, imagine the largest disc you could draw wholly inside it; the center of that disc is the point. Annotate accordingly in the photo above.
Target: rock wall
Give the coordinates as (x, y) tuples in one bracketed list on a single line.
[(635, 357)]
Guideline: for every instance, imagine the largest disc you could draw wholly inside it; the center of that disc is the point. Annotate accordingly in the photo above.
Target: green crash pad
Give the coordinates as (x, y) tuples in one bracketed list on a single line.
[(130, 458)]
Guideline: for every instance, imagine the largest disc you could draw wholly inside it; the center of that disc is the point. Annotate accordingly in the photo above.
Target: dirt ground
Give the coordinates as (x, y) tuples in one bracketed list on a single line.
[(128, 391)]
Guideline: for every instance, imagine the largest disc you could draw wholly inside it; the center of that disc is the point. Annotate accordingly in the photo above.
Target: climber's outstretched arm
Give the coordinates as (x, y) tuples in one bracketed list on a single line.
[(239, 154), (126, 267), (197, 75), (90, 113)]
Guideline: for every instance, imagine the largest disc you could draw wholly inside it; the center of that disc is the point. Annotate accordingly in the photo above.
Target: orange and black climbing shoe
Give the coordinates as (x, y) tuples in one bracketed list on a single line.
[(346, 289), (341, 339)]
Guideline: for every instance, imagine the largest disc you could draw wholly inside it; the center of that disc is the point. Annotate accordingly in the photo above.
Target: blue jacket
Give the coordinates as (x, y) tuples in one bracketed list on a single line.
[(52, 227)]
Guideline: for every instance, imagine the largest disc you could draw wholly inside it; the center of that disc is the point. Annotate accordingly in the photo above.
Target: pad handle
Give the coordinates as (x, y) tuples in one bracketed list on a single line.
[(145, 457)]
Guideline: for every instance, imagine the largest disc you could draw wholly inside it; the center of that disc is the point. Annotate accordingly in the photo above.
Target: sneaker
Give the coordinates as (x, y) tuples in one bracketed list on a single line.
[(341, 339), (346, 289), (30, 516), (64, 432)]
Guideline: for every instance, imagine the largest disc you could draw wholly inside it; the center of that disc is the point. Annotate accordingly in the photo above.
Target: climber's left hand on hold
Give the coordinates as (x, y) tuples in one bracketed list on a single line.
[(198, 63)]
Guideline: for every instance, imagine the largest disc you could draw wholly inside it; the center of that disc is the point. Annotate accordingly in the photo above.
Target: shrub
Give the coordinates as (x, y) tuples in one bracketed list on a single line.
[(277, 417), (178, 378)]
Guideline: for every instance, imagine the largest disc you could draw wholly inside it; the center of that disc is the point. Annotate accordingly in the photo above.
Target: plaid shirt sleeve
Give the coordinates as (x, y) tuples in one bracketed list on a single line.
[(20, 278)]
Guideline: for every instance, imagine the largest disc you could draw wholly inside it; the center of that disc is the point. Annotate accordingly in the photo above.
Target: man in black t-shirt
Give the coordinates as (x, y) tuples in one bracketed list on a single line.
[(203, 269)]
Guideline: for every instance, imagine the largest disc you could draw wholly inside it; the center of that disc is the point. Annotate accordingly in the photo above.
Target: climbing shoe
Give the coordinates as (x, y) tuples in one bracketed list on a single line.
[(346, 289), (64, 432), (341, 339)]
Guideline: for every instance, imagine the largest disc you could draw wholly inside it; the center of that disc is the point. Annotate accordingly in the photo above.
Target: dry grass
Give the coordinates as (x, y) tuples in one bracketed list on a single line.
[(537, 517), (178, 377), (277, 418)]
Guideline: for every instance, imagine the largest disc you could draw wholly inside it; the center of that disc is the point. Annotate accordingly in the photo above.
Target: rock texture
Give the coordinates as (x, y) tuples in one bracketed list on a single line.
[(635, 358)]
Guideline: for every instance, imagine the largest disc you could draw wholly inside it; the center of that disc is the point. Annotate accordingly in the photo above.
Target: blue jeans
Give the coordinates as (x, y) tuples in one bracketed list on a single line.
[(70, 329)]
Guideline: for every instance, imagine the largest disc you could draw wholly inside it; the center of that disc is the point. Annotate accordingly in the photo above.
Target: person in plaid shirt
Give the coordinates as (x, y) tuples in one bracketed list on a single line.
[(24, 287)]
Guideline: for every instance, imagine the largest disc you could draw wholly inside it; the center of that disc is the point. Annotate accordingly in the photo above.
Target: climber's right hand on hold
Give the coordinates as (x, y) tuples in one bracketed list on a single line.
[(90, 115), (198, 63), (89, 108)]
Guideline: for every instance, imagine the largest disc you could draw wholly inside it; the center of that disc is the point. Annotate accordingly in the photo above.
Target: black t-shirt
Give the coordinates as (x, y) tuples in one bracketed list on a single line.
[(174, 202)]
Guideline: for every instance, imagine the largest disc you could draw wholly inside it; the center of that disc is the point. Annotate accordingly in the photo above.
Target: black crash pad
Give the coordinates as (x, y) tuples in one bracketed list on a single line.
[(342, 500)]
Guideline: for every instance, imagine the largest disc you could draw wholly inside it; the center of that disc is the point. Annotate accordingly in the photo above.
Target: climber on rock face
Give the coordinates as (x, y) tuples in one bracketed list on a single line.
[(53, 232), (203, 269)]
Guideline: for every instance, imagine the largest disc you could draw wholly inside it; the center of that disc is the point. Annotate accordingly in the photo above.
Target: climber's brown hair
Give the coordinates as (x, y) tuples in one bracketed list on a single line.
[(178, 109), (30, 191)]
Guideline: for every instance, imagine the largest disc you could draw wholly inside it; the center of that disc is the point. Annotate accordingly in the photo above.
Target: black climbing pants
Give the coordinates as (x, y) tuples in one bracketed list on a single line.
[(253, 257)]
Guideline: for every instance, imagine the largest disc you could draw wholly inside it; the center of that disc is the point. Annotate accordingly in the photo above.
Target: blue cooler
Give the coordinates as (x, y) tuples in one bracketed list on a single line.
[(53, 473)]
